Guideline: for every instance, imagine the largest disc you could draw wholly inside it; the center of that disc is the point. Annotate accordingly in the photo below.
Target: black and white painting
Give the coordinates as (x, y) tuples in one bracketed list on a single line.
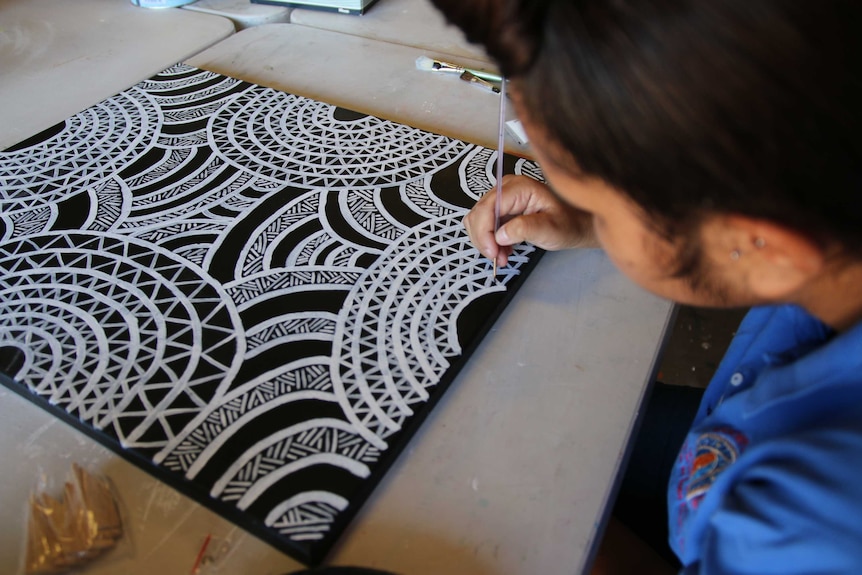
[(255, 296)]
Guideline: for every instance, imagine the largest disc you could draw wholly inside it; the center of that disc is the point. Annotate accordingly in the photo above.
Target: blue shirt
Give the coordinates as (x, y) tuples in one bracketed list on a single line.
[(769, 479)]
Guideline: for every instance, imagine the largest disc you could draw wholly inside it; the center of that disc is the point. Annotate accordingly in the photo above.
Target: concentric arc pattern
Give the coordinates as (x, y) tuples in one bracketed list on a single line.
[(254, 291)]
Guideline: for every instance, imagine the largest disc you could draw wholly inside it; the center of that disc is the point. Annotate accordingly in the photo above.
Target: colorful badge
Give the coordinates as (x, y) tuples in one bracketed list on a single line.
[(714, 451)]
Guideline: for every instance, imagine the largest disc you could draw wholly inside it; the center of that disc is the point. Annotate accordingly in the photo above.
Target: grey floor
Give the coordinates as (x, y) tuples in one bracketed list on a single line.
[(697, 343)]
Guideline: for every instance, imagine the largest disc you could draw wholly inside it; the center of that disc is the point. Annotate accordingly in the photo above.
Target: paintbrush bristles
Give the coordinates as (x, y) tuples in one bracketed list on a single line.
[(428, 64), (431, 65), (424, 63)]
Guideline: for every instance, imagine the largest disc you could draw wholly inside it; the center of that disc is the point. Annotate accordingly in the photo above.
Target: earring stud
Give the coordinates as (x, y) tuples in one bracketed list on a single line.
[(735, 255), (759, 243)]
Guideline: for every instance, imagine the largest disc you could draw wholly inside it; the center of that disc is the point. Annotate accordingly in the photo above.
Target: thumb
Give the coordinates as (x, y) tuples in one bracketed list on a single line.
[(539, 229)]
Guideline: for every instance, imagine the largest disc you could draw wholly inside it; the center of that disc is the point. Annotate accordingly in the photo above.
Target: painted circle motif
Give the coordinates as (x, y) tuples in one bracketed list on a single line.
[(88, 147), (304, 143), (122, 335), (397, 332)]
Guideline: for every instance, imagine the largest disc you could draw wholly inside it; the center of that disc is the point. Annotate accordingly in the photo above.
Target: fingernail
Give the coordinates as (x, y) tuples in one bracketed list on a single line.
[(502, 236)]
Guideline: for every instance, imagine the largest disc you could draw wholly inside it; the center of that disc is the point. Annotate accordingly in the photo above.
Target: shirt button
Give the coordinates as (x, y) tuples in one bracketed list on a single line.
[(736, 379)]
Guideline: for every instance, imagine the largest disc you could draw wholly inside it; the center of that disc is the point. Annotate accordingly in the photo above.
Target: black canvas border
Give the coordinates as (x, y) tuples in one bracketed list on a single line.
[(315, 553)]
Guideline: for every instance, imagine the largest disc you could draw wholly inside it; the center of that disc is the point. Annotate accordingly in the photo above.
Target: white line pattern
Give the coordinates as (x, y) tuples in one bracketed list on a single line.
[(253, 290)]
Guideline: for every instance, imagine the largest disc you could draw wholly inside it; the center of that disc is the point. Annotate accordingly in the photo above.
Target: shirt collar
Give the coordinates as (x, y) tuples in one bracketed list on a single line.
[(819, 359)]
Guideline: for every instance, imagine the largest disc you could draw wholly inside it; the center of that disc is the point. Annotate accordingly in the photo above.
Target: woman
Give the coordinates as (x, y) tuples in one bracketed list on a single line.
[(712, 149)]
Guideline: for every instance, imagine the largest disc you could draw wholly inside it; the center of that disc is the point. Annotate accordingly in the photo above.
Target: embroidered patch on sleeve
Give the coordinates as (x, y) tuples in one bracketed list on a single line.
[(714, 452), (701, 460)]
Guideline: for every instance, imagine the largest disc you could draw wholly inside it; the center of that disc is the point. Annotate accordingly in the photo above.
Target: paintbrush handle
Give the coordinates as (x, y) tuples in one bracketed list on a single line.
[(501, 141)]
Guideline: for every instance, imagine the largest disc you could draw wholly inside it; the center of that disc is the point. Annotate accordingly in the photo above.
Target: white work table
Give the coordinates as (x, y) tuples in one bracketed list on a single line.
[(242, 13), (415, 23), (49, 68), (512, 471)]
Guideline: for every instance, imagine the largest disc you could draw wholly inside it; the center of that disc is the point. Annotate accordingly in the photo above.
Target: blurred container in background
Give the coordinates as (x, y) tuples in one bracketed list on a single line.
[(161, 3)]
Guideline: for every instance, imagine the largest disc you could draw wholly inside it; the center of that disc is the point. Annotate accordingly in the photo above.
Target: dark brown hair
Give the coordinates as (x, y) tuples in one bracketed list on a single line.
[(694, 106)]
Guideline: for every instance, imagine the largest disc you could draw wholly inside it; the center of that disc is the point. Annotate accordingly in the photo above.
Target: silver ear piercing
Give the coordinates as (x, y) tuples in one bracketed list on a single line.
[(759, 243)]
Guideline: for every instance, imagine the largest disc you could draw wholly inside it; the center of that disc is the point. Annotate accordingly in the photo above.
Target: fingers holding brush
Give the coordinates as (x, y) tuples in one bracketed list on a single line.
[(529, 211), (480, 225)]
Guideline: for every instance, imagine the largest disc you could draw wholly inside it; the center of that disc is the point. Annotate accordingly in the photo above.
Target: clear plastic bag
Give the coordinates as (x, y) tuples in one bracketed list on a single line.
[(69, 531)]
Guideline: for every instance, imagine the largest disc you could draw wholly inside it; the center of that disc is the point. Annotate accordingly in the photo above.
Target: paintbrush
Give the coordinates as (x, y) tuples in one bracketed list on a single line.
[(468, 76), (501, 140), (427, 64)]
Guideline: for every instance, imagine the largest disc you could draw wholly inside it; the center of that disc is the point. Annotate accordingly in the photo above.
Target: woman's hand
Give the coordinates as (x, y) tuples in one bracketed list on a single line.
[(529, 211)]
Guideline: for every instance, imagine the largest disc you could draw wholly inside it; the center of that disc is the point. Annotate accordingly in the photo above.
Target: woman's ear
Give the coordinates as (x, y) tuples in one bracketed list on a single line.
[(774, 261)]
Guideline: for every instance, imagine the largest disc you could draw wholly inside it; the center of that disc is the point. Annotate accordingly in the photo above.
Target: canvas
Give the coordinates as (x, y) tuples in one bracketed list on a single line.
[(255, 296)]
